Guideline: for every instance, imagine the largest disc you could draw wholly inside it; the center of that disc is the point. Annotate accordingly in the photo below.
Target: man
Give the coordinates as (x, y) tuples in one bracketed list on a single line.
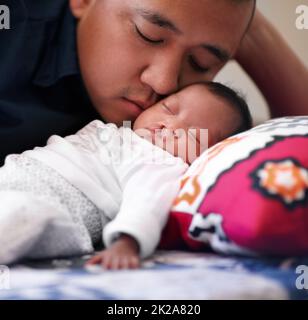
[(64, 63)]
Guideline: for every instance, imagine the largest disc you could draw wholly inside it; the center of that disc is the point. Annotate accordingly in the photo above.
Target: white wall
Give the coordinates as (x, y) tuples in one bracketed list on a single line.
[(282, 14)]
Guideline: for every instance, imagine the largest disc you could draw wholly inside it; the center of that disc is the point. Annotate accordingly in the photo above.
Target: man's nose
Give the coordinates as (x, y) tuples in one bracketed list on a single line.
[(162, 74)]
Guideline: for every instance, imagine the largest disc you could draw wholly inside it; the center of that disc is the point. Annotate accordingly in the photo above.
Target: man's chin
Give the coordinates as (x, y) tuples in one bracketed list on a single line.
[(120, 112)]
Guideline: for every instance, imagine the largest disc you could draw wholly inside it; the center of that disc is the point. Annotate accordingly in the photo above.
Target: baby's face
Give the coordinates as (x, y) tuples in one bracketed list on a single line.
[(186, 123)]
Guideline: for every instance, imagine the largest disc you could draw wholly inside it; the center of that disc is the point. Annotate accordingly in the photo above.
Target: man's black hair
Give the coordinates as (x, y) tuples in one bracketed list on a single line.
[(235, 100)]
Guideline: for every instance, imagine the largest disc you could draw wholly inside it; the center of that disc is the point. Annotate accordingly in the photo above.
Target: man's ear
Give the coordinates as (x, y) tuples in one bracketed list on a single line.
[(79, 7)]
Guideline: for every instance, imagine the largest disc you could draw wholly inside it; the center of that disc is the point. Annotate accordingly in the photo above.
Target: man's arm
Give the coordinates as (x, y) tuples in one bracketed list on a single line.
[(277, 71)]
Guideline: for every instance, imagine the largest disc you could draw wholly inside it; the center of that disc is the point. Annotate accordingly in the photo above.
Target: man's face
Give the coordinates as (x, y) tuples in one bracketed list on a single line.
[(132, 52)]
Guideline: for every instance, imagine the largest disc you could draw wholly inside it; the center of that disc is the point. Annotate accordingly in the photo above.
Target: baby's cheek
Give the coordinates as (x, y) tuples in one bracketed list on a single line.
[(170, 145), (193, 150), (179, 147), (145, 134)]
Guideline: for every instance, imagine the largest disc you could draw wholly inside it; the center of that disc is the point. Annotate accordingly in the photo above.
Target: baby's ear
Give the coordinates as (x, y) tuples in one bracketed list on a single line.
[(79, 7)]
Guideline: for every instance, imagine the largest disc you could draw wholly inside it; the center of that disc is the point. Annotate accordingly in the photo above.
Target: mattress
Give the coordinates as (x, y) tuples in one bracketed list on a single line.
[(168, 275)]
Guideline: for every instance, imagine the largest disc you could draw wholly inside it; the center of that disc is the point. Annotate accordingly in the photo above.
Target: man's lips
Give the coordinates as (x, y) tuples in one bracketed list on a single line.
[(134, 108), (141, 103)]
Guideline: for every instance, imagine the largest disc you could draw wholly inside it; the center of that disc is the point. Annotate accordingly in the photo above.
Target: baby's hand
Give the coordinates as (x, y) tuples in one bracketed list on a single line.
[(123, 254)]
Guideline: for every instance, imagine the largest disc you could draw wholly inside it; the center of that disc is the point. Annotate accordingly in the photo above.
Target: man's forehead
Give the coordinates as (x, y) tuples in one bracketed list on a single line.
[(218, 26), (182, 10)]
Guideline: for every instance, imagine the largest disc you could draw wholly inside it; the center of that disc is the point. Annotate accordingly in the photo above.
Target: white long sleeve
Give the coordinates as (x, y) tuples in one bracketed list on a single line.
[(119, 176), (148, 192)]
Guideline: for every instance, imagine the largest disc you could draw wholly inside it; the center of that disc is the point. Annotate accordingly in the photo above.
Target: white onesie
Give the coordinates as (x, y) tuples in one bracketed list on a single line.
[(63, 198)]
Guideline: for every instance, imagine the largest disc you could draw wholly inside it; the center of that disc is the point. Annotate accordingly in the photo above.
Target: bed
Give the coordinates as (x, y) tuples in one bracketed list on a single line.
[(170, 275), (226, 208)]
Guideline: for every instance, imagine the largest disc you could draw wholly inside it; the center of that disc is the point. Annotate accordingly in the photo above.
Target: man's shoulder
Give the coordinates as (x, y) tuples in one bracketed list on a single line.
[(41, 10)]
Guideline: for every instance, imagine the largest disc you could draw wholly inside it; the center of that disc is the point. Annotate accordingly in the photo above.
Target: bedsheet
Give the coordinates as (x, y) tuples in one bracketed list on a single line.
[(168, 275)]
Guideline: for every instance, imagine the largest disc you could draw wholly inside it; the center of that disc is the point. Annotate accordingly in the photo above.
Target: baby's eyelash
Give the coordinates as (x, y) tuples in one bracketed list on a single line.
[(166, 107)]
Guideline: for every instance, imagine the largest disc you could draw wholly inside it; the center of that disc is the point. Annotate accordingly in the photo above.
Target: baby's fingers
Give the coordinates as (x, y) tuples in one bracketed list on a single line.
[(134, 263), (94, 260), (121, 262), (114, 261)]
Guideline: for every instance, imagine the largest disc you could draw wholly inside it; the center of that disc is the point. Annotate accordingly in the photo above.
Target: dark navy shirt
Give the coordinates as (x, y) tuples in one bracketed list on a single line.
[(41, 90)]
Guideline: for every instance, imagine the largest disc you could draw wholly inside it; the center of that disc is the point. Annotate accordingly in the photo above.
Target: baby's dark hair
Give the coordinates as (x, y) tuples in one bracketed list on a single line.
[(235, 100)]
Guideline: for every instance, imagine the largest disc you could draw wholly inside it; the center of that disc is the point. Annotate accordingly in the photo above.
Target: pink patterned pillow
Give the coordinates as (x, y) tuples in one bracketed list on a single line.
[(247, 194)]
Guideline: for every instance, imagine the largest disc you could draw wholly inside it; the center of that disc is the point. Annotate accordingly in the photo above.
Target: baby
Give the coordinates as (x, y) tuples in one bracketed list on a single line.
[(198, 116), (110, 184)]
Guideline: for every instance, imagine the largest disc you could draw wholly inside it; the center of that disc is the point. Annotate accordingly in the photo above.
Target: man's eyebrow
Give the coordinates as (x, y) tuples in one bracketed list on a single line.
[(163, 22), (218, 52), (158, 19)]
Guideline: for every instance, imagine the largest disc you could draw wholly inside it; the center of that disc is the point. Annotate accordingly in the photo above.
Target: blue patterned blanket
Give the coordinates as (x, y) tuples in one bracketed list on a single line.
[(167, 275)]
